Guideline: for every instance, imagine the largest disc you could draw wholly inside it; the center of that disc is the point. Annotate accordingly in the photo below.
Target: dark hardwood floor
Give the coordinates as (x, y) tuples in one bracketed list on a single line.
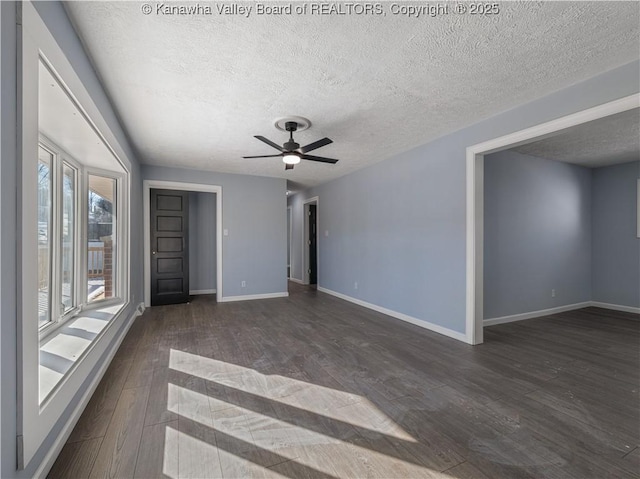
[(313, 386)]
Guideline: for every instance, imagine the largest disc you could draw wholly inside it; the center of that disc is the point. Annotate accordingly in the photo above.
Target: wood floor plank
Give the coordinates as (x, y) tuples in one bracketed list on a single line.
[(198, 455), (633, 459), (158, 453), (119, 449), (465, 471), (97, 415), (75, 460)]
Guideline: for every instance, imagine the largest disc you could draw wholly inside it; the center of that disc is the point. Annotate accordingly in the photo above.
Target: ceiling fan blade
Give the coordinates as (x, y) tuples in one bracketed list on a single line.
[(269, 142), (287, 166), (263, 156), (315, 145), (319, 158)]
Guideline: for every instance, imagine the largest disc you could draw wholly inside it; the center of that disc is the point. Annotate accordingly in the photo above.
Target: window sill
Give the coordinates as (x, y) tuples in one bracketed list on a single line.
[(66, 346)]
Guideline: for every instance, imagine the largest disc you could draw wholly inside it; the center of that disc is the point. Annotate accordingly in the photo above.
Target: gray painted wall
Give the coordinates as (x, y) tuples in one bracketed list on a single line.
[(537, 234), (54, 16), (254, 213), (616, 248), (202, 241), (399, 227)]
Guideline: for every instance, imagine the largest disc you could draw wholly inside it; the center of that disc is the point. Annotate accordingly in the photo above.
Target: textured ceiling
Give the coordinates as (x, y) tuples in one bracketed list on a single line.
[(607, 141), (192, 90)]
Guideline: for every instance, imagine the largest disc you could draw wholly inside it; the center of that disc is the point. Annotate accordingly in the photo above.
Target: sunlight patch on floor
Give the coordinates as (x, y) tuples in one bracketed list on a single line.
[(187, 456), (323, 401)]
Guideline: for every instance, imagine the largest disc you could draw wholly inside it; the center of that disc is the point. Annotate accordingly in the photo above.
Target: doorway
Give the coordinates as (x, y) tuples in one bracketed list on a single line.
[(313, 241), (216, 216), (310, 241), (202, 243), (475, 197), (169, 246), (289, 233)]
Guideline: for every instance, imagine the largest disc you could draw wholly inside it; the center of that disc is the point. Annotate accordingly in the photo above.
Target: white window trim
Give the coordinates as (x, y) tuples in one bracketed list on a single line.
[(34, 422)]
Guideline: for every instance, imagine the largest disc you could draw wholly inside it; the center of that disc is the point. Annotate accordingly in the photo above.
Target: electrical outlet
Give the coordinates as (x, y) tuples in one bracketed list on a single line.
[(243, 284), (553, 293), (355, 285)]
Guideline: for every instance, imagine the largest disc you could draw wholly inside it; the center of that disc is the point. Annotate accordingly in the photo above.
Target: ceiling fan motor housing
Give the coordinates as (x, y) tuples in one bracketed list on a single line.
[(290, 146)]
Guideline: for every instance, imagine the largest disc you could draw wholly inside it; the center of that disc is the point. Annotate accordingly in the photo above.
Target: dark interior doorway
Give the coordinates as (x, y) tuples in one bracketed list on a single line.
[(169, 246), (313, 250)]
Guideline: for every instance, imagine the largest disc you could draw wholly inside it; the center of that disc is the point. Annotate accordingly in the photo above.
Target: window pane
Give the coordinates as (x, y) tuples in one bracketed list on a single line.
[(101, 261), (68, 237), (45, 190)]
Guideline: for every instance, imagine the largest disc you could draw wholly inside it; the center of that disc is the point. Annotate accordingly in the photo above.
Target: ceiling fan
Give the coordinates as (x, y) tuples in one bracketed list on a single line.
[(291, 152)]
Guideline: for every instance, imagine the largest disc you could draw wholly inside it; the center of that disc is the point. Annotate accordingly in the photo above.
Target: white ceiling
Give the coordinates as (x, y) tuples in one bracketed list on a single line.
[(607, 141), (193, 90)]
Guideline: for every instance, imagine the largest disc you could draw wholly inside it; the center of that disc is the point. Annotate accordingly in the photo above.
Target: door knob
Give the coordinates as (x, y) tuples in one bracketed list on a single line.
[(153, 252)]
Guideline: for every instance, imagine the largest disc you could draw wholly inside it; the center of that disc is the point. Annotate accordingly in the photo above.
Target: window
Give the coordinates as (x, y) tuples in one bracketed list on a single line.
[(45, 190), (57, 235), (60, 281), (101, 221), (69, 247)]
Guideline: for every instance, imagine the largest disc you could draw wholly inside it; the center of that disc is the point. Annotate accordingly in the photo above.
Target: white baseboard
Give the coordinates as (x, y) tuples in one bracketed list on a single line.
[(394, 314), (535, 314), (227, 299), (54, 450), (296, 280), (615, 307), (559, 309), (195, 292)]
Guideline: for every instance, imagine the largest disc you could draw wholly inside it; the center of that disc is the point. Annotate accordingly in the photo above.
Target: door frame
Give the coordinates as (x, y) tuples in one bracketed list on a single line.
[(475, 197), (147, 185), (305, 239)]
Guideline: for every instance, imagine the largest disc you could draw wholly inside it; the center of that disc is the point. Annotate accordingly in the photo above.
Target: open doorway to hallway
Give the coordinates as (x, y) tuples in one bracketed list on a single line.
[(310, 242)]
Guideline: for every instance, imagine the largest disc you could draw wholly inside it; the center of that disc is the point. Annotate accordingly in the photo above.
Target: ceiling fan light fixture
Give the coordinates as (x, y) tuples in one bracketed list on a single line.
[(291, 159)]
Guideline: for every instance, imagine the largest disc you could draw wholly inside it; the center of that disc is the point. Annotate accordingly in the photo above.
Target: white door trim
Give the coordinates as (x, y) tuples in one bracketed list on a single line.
[(147, 185), (305, 239), (475, 195)]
